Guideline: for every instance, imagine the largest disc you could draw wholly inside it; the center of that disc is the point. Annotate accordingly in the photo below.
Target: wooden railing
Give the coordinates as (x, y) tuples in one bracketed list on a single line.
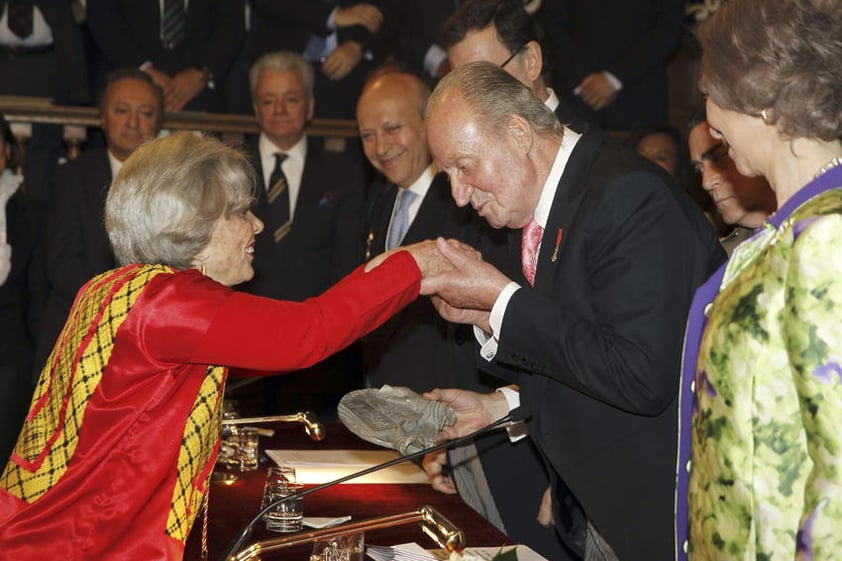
[(23, 112)]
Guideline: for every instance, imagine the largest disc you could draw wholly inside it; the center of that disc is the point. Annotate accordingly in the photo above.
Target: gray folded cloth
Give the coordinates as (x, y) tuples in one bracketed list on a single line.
[(394, 417)]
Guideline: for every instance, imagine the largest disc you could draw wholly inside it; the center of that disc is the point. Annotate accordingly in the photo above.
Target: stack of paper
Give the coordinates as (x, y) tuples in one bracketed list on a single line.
[(414, 552), (321, 466)]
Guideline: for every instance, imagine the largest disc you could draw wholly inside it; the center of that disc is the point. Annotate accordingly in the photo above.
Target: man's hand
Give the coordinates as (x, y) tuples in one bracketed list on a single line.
[(367, 15), (162, 79), (597, 91), (472, 284), (480, 318), (342, 60), (434, 463), (186, 85), (473, 410)]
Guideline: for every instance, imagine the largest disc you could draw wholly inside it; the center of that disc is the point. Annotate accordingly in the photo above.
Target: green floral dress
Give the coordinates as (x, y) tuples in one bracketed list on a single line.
[(766, 477)]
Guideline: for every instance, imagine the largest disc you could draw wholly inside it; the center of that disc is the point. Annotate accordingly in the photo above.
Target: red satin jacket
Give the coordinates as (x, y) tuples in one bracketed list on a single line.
[(122, 434)]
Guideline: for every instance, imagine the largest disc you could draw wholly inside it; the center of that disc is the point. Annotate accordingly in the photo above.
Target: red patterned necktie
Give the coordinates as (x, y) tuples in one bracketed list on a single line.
[(531, 239)]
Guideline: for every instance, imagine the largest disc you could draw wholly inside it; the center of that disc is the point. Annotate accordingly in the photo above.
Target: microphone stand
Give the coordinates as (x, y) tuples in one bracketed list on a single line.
[(517, 414)]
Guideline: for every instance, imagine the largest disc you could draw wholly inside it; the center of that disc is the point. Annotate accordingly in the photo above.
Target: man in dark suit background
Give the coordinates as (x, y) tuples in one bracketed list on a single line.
[(340, 38), (41, 56), (23, 290), (417, 348), (609, 57), (76, 244), (503, 32), (595, 344), (186, 47), (320, 239)]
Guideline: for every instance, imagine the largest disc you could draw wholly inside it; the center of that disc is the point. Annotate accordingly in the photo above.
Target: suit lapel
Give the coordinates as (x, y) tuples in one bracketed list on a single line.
[(432, 214), (379, 222), (568, 196)]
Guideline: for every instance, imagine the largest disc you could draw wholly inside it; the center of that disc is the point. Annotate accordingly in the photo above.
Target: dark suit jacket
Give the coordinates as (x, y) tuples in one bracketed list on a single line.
[(324, 242), (76, 244), (127, 33), (288, 24), (61, 74), (416, 29), (22, 299), (598, 341), (418, 349), (630, 38)]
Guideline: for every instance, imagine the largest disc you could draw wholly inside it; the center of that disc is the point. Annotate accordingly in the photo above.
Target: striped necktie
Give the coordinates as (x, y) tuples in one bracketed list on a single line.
[(278, 217), (172, 23)]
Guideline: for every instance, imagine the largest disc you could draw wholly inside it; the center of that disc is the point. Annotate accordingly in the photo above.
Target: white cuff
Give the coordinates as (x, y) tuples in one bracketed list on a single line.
[(519, 429)]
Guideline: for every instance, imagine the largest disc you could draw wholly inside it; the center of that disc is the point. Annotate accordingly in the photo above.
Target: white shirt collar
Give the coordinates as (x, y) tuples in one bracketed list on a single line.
[(296, 156), (114, 163), (552, 101), (545, 201)]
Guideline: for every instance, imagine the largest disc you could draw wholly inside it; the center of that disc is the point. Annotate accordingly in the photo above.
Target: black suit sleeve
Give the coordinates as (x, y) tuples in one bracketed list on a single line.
[(112, 34), (310, 15), (65, 249), (614, 331), (349, 227), (226, 34)]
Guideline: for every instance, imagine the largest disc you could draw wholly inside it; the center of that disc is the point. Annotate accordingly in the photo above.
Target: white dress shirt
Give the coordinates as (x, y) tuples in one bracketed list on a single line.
[(293, 166)]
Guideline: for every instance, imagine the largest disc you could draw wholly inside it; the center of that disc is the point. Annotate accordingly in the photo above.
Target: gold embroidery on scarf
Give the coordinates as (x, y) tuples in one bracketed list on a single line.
[(51, 433), (197, 445)]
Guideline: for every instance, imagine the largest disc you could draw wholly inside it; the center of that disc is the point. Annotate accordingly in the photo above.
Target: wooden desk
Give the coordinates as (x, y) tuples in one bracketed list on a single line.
[(231, 507)]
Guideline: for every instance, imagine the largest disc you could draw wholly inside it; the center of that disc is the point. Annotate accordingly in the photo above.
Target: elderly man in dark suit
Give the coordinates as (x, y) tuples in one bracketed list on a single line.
[(341, 38), (312, 202), (609, 57), (612, 250), (419, 349), (186, 47), (75, 242)]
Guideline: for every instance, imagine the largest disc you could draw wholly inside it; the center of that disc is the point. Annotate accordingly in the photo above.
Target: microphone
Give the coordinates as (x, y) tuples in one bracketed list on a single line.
[(515, 415)]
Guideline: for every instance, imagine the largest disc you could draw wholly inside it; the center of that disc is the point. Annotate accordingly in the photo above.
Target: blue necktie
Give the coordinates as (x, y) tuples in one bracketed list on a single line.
[(400, 218)]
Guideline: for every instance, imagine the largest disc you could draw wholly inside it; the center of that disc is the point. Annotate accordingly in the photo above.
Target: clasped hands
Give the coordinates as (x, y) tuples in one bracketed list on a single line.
[(463, 287)]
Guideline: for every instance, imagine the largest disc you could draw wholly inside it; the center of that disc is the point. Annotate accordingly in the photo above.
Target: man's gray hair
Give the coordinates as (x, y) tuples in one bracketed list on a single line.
[(494, 95), (283, 60)]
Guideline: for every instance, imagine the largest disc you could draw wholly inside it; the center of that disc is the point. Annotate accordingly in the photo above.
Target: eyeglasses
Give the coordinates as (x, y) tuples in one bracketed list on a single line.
[(514, 54)]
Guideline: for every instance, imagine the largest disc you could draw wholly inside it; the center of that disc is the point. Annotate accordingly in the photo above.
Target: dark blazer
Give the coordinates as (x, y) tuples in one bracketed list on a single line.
[(288, 25), (22, 299), (631, 39), (60, 74), (324, 242), (598, 341), (127, 33), (416, 29), (418, 349), (76, 244)]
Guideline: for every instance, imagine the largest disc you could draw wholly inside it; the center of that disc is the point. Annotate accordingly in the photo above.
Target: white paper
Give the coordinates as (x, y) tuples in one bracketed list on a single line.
[(324, 521), (321, 466), (414, 552)]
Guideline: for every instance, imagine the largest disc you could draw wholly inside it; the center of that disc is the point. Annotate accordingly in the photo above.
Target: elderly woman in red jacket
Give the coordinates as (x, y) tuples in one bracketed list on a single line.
[(121, 437)]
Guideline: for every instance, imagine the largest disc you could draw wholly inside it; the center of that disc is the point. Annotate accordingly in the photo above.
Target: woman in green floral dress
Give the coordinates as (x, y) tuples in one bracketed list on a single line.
[(760, 465)]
